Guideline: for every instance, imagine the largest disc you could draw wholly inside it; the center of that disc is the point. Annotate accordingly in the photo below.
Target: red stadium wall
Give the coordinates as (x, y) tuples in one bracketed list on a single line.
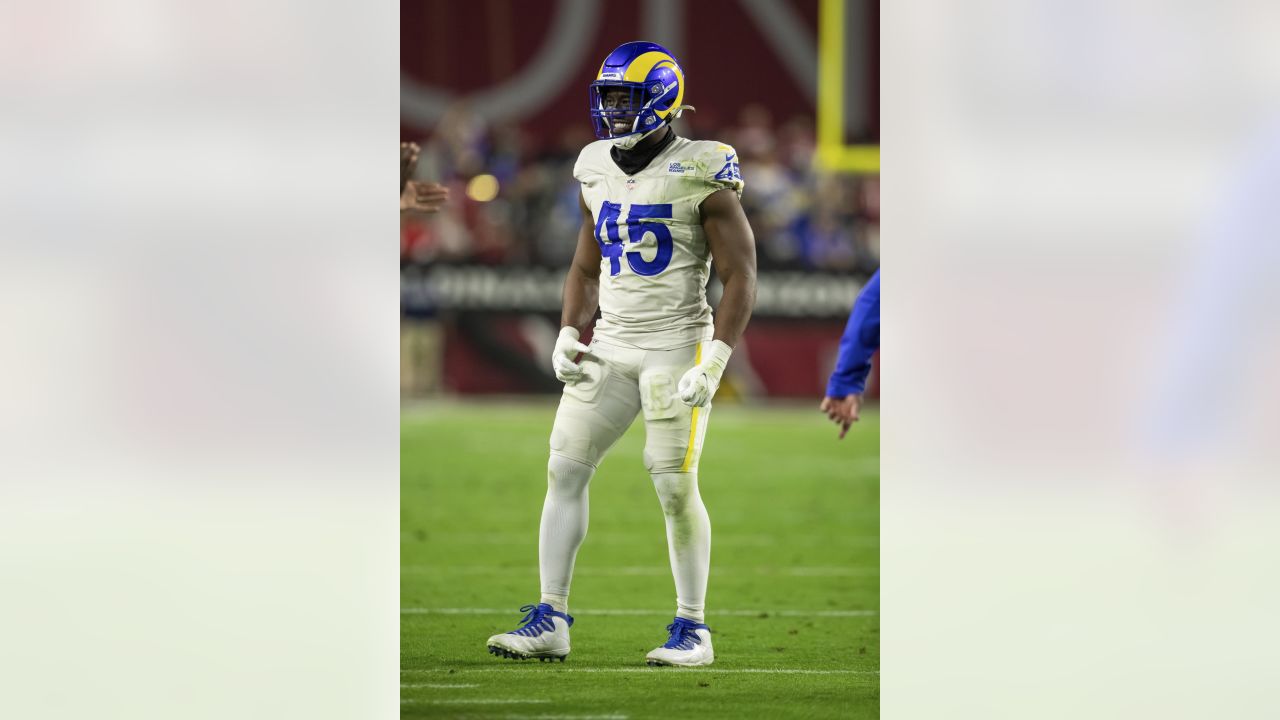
[(458, 49), (790, 359)]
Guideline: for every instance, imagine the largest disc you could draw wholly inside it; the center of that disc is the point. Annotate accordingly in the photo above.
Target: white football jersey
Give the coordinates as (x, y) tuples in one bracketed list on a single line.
[(655, 260)]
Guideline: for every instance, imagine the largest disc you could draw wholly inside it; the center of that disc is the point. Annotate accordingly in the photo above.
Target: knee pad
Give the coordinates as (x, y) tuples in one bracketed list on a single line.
[(575, 434), (567, 477), (675, 491)]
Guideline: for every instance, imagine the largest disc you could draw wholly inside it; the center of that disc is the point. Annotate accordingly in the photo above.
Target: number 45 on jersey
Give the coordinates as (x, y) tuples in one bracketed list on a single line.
[(611, 246)]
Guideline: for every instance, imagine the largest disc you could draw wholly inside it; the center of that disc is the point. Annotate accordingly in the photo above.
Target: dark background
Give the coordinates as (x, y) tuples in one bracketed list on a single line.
[(495, 91)]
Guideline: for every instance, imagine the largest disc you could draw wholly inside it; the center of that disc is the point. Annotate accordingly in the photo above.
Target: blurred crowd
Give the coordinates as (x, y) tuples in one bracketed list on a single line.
[(513, 203)]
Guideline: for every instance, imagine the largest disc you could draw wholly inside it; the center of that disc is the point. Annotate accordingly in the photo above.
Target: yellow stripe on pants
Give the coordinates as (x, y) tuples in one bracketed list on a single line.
[(693, 424)]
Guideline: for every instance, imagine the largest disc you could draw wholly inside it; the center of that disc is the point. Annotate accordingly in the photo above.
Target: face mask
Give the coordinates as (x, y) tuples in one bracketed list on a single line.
[(628, 142)]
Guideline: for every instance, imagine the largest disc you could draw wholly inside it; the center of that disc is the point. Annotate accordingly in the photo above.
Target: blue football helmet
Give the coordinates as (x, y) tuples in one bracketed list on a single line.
[(638, 90)]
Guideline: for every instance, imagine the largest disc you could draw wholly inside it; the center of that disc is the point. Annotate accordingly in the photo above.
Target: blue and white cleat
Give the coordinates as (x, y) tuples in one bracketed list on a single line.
[(543, 635), (688, 646)]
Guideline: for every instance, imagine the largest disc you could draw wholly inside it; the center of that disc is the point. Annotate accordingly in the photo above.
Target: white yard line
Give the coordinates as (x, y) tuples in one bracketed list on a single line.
[(438, 686), (564, 717), (618, 538), (670, 670), (647, 613), (475, 701), (644, 570)]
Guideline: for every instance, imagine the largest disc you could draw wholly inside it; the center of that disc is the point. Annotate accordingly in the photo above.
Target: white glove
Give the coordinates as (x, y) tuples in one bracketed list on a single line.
[(699, 385), (567, 348)]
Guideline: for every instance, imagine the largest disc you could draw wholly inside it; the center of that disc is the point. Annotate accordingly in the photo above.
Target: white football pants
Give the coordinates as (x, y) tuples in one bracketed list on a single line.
[(618, 383)]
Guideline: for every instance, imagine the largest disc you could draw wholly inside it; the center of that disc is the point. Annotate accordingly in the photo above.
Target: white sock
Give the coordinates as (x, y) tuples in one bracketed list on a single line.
[(564, 525), (559, 603), (688, 540), (688, 613)]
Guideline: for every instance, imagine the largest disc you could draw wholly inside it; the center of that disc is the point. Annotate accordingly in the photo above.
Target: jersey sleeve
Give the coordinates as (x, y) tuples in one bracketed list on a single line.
[(579, 166), (586, 166), (860, 341), (720, 171)]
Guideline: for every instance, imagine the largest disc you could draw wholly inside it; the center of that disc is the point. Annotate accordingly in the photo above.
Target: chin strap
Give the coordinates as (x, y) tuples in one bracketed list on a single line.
[(675, 115), (626, 142)]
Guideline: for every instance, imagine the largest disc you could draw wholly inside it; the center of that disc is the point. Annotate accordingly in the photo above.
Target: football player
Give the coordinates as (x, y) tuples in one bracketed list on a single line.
[(657, 211)]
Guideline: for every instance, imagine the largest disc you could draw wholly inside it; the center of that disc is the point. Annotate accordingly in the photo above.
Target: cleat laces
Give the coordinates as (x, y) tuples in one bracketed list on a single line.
[(683, 635), (538, 620)]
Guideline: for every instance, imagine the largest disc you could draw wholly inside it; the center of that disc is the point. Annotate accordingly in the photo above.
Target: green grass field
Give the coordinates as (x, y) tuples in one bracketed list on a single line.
[(793, 600)]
